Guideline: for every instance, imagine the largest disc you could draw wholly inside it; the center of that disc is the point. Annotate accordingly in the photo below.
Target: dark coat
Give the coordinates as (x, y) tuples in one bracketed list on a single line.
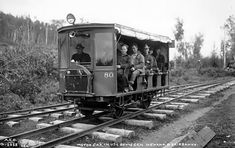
[(160, 61), (124, 61), (84, 57), (150, 62)]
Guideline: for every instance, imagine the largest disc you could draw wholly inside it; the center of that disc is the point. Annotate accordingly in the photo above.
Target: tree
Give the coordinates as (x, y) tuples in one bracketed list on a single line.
[(179, 31), (58, 23), (179, 35), (197, 45), (22, 30), (229, 28)]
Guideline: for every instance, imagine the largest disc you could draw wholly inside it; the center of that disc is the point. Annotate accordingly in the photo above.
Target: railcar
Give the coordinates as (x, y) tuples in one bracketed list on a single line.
[(92, 85)]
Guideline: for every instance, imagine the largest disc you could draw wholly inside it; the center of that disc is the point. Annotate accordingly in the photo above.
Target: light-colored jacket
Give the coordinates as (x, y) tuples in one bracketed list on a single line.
[(137, 60)]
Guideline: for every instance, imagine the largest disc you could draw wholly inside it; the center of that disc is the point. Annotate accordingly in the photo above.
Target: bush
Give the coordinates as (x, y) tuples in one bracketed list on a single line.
[(177, 72), (213, 72), (25, 88), (48, 92), (12, 101), (27, 68)]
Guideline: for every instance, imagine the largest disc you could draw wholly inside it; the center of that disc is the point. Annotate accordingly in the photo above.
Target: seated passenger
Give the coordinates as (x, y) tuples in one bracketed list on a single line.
[(160, 60), (123, 66), (80, 56), (137, 63), (150, 61)]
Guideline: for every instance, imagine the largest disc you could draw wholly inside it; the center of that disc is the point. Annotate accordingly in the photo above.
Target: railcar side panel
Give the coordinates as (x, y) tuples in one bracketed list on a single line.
[(103, 82)]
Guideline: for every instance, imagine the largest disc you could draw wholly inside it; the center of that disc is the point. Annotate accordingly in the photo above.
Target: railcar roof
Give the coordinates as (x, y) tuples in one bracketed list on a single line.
[(124, 30)]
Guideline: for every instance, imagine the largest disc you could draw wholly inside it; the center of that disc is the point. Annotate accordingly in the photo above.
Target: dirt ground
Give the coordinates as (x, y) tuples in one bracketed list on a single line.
[(219, 116), (222, 121)]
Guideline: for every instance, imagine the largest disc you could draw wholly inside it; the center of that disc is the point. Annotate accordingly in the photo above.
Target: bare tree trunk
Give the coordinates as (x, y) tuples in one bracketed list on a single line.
[(224, 56), (28, 31), (46, 33)]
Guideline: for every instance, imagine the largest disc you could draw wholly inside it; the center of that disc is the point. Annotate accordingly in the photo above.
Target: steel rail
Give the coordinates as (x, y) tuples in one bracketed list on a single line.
[(76, 135), (199, 85), (35, 114), (36, 108), (188, 87), (181, 85), (56, 126)]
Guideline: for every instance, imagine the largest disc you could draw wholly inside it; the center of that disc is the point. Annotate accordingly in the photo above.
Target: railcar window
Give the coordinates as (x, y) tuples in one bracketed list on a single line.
[(104, 49), (63, 50), (80, 47)]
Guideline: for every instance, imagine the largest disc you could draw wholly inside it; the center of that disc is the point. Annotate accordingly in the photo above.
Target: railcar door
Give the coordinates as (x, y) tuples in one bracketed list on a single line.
[(104, 73)]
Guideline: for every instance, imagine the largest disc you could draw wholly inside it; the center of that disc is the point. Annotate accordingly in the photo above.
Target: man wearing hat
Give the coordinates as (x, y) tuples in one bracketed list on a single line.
[(123, 65), (150, 61), (137, 63), (160, 60), (80, 56)]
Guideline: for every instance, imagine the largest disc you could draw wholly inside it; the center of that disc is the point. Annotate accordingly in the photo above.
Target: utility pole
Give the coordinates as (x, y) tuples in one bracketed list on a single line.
[(28, 30), (224, 51), (46, 33)]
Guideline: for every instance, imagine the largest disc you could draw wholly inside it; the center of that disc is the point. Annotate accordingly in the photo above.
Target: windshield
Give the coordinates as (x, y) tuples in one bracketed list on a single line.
[(80, 47), (104, 48)]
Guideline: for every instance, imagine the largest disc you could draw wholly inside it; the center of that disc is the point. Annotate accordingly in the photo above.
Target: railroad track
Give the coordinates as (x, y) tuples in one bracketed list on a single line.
[(34, 114), (160, 109)]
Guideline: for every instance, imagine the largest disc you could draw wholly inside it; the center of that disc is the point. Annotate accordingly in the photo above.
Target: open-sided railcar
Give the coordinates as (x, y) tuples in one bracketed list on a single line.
[(93, 85)]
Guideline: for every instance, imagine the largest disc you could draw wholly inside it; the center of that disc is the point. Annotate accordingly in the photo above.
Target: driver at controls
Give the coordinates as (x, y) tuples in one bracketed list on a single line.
[(80, 56)]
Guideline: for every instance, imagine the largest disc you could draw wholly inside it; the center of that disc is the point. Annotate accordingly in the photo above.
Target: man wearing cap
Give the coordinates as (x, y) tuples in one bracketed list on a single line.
[(150, 61), (80, 56), (123, 66), (160, 60), (137, 63)]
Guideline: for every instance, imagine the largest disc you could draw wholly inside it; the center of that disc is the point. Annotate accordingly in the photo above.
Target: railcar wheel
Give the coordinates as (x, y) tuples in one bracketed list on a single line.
[(118, 112), (86, 113), (145, 103)]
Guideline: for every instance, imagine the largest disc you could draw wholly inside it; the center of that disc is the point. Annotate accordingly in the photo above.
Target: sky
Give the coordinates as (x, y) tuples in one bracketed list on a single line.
[(155, 16)]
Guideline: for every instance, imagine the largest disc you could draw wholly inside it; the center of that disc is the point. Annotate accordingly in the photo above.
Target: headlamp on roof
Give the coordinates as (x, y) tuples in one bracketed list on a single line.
[(70, 18)]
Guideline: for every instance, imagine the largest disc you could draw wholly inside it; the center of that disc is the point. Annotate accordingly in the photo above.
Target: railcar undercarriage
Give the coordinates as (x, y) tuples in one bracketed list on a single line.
[(115, 105)]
